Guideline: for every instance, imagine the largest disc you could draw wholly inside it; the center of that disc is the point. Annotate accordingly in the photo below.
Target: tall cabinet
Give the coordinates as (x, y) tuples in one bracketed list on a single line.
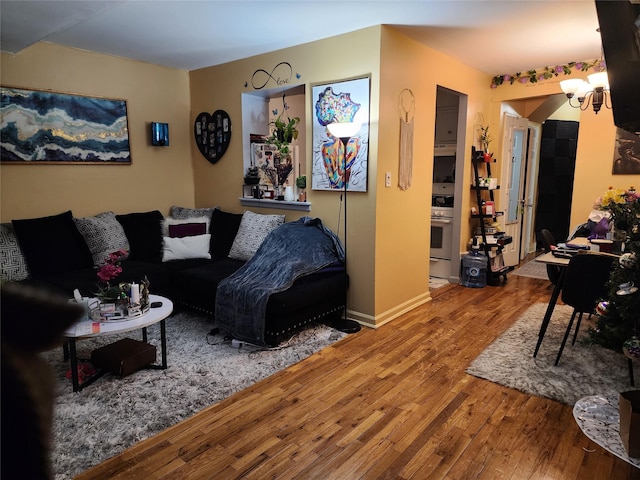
[(484, 215)]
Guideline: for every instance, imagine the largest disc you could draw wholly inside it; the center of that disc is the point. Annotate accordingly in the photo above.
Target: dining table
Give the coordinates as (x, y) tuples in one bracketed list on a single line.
[(562, 262)]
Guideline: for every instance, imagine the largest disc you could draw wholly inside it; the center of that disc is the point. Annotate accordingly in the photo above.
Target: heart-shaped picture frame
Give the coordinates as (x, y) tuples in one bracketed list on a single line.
[(212, 134)]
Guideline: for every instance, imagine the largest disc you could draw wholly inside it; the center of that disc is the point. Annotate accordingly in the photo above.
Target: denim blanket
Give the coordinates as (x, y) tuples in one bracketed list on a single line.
[(290, 251)]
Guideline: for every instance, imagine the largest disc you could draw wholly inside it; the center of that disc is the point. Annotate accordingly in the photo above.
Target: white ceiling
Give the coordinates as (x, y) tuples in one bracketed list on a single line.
[(495, 37)]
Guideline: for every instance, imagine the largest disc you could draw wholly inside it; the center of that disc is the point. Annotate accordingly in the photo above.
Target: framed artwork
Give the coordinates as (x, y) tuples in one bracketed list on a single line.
[(626, 156), (212, 134), (342, 101), (42, 127)]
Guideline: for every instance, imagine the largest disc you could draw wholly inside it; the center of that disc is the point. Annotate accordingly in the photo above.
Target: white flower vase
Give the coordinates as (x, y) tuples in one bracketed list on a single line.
[(288, 194)]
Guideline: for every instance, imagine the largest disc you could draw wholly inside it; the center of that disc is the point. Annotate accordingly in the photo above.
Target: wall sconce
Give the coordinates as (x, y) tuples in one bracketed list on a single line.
[(159, 134), (594, 91)]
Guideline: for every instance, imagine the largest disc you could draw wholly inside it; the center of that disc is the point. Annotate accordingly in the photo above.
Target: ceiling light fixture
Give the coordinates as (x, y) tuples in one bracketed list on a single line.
[(595, 91)]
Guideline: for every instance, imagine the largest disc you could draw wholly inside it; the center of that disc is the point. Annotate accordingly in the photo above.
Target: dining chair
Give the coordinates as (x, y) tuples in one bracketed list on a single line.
[(585, 282), (553, 272)]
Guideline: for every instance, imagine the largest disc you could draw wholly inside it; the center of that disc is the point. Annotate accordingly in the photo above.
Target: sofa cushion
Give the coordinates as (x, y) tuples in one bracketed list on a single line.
[(103, 234), (52, 244), (144, 232), (13, 265), (181, 248), (188, 230), (253, 229), (185, 227), (224, 228), (184, 212), (197, 286)]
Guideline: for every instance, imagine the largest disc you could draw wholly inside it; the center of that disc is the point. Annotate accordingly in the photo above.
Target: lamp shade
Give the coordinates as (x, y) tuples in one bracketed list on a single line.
[(599, 79), (571, 85), (583, 90), (344, 129)]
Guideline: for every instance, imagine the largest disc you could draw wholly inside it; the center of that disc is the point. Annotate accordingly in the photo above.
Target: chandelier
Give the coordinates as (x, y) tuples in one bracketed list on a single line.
[(595, 91)]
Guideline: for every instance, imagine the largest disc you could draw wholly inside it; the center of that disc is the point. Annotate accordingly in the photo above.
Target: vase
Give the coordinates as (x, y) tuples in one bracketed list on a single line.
[(487, 156)]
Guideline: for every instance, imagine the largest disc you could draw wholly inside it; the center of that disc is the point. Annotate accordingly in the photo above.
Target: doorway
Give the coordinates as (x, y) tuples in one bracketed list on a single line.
[(518, 176), (555, 179), (450, 128)]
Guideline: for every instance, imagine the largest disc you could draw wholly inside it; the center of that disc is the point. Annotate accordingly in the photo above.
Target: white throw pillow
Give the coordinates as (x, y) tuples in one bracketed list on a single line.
[(253, 229), (181, 248)]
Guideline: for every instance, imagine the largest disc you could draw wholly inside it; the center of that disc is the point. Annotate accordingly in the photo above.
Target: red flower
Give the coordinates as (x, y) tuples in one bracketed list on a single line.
[(116, 256), (111, 269), (109, 272)]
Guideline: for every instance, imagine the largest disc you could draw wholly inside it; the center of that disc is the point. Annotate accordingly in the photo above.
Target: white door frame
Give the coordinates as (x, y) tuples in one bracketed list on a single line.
[(513, 251)]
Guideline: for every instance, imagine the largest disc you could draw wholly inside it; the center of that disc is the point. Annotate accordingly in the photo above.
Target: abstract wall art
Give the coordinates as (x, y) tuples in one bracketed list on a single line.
[(42, 127), (332, 163)]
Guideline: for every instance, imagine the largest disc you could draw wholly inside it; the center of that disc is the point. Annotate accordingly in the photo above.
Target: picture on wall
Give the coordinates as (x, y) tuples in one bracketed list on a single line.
[(41, 127), (626, 156), (343, 101)]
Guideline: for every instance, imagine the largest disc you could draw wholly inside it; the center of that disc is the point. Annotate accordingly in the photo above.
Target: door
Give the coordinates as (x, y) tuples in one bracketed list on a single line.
[(514, 196)]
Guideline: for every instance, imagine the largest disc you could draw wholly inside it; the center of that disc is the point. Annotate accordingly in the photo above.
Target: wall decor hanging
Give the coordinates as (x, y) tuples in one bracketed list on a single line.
[(340, 102), (42, 127), (407, 108), (626, 157), (159, 134), (279, 76), (212, 134)]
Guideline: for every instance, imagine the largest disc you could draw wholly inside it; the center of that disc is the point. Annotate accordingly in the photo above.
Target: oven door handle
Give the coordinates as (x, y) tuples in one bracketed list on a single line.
[(439, 220)]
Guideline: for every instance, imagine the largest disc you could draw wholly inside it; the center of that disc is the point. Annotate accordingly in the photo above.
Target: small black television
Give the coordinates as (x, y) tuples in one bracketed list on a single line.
[(620, 32)]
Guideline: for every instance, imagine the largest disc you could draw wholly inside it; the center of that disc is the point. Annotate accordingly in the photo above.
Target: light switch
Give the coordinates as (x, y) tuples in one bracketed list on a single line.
[(387, 179)]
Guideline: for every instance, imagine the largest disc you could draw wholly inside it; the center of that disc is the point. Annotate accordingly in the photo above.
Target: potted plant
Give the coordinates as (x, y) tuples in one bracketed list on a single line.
[(485, 138), (301, 183), (284, 131)]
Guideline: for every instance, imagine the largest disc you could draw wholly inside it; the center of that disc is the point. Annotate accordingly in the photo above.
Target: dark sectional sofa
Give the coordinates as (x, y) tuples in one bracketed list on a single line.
[(62, 253)]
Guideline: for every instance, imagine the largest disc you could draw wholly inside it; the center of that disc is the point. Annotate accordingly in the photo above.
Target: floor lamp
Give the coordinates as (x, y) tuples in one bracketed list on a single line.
[(344, 131)]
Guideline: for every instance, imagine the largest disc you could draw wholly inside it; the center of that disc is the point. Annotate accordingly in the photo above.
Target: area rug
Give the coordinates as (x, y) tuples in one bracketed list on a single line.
[(583, 369), (532, 269), (114, 413)]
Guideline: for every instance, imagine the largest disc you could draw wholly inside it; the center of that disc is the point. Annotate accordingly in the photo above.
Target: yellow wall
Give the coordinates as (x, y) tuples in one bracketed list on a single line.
[(325, 61), (158, 176), (403, 217), (596, 145)]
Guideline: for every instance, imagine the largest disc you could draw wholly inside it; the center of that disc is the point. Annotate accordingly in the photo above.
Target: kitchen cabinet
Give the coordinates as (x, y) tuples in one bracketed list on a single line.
[(446, 125)]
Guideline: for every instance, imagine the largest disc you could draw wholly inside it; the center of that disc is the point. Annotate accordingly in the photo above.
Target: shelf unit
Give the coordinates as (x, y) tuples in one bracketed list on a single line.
[(492, 244), (248, 199)]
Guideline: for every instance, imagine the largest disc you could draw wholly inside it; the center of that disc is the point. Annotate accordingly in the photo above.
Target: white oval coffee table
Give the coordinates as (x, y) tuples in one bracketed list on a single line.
[(92, 329)]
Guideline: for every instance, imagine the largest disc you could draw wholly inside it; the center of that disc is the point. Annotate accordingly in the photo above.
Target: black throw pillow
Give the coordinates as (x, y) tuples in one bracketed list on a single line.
[(224, 227), (52, 245), (144, 232)]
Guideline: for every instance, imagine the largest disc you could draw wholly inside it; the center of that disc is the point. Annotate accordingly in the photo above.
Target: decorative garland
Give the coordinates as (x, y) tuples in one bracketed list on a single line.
[(534, 76)]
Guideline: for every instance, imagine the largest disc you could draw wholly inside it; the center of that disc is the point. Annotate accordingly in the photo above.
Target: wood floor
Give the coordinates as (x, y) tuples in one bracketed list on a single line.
[(391, 403)]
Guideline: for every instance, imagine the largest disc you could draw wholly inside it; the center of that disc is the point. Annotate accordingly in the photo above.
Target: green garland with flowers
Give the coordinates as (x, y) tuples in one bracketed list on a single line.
[(534, 76), (618, 322)]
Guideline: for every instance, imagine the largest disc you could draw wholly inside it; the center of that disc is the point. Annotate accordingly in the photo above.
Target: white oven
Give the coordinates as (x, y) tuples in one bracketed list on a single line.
[(441, 235), (441, 248)]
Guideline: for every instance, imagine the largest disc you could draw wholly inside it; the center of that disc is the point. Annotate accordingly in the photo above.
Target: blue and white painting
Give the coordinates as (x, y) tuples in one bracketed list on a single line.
[(45, 127)]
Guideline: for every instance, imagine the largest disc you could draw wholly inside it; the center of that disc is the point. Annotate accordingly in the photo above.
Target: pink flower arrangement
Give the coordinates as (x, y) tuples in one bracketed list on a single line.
[(107, 272), (111, 269)]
